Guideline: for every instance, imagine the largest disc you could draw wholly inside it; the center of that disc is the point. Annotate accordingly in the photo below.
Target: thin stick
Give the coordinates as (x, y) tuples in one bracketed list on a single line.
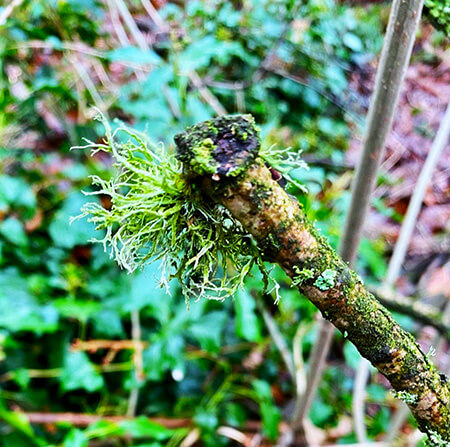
[(206, 94), (415, 204), (154, 14), (131, 25), (400, 36), (117, 25), (89, 84), (277, 338), (136, 335), (7, 11)]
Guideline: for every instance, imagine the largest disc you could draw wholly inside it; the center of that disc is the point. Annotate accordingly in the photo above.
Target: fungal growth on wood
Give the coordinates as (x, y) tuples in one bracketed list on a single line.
[(238, 179)]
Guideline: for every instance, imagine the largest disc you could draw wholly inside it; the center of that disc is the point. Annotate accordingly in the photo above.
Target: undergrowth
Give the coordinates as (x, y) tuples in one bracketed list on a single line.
[(155, 214)]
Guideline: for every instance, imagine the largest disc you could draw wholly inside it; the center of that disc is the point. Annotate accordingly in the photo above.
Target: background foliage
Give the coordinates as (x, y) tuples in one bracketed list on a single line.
[(288, 64)]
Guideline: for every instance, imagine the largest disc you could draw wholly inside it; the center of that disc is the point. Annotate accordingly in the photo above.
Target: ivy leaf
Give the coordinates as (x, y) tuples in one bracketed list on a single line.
[(247, 324), (79, 373), (12, 230), (16, 192), (76, 438), (17, 420), (19, 309), (133, 54), (142, 427), (208, 330), (270, 413), (79, 232)]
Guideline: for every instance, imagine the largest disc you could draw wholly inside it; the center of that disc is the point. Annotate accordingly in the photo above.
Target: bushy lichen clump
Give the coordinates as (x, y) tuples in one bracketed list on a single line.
[(156, 214)]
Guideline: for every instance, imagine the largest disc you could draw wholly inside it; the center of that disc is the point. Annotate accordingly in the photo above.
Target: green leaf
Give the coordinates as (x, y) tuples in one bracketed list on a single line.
[(81, 310), (247, 324), (321, 412), (20, 310), (134, 55), (16, 192), (12, 230), (208, 330), (76, 438), (206, 419), (352, 356), (17, 420), (270, 413), (79, 373), (79, 232), (352, 41), (142, 427)]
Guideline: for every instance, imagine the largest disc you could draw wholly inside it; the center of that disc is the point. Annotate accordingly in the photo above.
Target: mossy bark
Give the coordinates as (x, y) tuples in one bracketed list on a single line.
[(234, 176)]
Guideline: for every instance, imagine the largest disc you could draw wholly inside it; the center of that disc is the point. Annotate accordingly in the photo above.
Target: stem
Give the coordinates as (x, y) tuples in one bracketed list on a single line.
[(400, 36), (410, 219), (220, 156)]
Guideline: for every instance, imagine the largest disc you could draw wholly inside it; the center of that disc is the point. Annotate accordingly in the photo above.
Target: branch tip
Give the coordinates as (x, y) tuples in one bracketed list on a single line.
[(224, 146)]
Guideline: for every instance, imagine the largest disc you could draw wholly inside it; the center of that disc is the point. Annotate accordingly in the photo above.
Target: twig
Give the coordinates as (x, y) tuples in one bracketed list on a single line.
[(131, 25), (415, 204), (423, 313), (83, 419), (300, 377), (7, 11), (117, 25), (278, 339), (206, 94), (154, 15), (138, 363), (400, 36), (115, 345), (89, 84)]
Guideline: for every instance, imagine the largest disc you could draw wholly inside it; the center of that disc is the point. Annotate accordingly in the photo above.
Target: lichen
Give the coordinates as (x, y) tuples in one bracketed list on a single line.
[(157, 214), (301, 276), (224, 146), (406, 397), (326, 280), (436, 440)]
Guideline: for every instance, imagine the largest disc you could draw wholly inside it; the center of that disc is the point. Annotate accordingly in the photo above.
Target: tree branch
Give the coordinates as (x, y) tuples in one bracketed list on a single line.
[(221, 157), (423, 313)]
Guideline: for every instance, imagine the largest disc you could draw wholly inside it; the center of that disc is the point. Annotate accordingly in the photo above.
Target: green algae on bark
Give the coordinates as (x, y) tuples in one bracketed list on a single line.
[(246, 188)]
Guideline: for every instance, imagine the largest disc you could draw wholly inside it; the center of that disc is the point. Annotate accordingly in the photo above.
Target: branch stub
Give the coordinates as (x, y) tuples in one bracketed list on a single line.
[(223, 146)]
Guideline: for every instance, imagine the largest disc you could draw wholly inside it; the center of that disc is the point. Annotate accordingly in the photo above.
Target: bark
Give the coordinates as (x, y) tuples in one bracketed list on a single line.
[(423, 313), (221, 157)]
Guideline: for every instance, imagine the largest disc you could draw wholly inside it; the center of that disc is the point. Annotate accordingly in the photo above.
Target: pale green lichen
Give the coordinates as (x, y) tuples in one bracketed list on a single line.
[(326, 279), (436, 440), (284, 161), (156, 214), (406, 397), (301, 276)]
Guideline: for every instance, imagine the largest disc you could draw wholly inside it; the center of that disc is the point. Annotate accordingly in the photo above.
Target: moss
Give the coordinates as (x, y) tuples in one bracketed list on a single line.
[(260, 193), (202, 160), (225, 146)]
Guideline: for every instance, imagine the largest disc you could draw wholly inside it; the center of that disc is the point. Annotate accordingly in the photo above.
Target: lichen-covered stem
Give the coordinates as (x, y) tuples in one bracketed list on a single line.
[(285, 236)]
